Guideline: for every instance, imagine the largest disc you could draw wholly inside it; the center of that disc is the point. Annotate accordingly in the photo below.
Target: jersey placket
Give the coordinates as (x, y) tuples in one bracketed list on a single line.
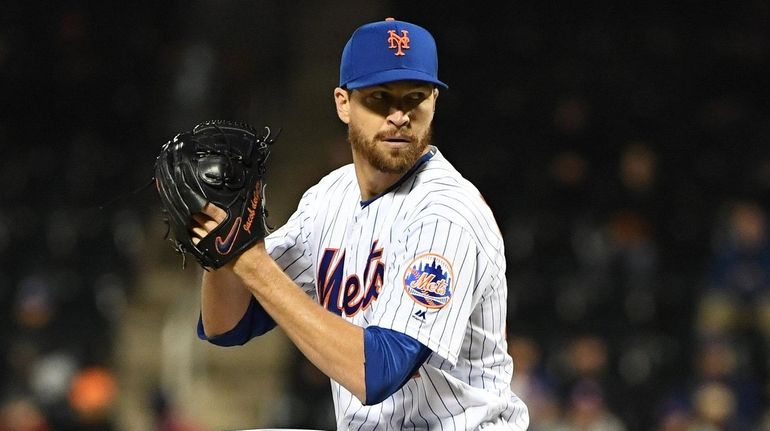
[(359, 246)]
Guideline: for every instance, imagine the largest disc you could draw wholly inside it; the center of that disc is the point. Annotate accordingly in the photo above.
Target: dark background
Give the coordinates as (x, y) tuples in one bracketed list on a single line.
[(622, 146)]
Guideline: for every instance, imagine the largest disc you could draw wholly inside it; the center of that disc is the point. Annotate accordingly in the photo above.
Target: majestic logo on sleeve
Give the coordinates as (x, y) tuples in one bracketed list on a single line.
[(353, 295), (399, 43), (428, 280)]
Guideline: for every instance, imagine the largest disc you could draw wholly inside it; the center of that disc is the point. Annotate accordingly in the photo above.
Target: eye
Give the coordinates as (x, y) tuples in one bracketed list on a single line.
[(416, 97), (378, 95)]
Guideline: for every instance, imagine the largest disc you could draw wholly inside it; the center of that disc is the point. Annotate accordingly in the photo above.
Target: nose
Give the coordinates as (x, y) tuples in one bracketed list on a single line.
[(398, 118)]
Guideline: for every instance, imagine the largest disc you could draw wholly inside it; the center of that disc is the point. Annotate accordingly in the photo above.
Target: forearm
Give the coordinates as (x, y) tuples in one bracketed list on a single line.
[(224, 300), (334, 345)]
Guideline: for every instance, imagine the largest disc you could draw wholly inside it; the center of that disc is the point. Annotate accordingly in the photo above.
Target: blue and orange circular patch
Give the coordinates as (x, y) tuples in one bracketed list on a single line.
[(428, 280)]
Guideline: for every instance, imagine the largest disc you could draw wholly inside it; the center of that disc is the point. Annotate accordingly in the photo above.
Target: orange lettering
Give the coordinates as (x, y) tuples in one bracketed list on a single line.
[(399, 43), (252, 209), (249, 220)]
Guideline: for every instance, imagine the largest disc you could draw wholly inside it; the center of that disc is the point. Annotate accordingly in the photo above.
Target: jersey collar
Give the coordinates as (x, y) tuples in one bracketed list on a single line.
[(425, 157)]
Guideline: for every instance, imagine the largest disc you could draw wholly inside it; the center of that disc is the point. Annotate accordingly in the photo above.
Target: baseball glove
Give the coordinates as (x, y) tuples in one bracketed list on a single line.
[(222, 163)]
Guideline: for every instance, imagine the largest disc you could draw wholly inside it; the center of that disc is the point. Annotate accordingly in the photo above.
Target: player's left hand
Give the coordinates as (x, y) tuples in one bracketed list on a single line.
[(211, 185)]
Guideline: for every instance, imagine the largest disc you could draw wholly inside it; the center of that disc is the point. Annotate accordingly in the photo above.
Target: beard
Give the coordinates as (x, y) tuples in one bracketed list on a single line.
[(389, 160)]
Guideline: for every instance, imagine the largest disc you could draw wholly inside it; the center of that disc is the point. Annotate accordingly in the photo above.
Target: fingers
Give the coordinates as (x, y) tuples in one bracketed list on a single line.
[(206, 221), (201, 227), (215, 212)]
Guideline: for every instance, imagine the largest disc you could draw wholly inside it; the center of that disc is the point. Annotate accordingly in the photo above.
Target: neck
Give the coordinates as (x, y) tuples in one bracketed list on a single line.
[(372, 181)]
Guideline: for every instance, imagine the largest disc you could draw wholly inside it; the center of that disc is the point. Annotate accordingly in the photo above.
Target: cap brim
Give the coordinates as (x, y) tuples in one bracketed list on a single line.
[(392, 75)]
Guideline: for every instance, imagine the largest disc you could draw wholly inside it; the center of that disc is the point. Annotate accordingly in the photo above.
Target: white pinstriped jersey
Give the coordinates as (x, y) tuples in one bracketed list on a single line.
[(425, 258)]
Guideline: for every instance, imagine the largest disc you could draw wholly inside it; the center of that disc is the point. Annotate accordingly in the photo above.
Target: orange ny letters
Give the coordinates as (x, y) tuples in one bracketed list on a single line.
[(399, 43)]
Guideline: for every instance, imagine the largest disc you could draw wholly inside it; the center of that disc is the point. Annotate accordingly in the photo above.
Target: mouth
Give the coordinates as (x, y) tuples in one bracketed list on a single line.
[(397, 141)]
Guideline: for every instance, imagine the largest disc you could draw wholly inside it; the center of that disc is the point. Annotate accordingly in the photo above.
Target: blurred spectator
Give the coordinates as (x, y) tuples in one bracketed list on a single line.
[(587, 411), (168, 417), (35, 304), (531, 383), (92, 398), (22, 415), (307, 402), (561, 207), (50, 379), (586, 357), (720, 361), (634, 229), (714, 407), (738, 296), (674, 415)]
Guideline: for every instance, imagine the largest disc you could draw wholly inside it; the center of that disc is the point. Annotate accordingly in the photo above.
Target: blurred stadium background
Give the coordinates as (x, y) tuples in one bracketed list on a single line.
[(622, 145)]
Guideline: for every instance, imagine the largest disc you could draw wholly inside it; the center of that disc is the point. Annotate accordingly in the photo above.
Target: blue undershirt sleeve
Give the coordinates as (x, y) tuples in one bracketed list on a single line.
[(390, 360), (254, 322)]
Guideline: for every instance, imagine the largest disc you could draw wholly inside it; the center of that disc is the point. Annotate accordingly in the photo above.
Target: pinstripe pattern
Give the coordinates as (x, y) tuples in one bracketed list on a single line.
[(432, 212)]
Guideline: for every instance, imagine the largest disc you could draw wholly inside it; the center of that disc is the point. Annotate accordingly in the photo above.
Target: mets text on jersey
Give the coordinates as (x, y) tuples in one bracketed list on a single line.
[(352, 296)]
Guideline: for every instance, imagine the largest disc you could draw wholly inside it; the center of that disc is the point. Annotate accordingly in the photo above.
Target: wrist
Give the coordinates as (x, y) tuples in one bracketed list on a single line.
[(248, 262)]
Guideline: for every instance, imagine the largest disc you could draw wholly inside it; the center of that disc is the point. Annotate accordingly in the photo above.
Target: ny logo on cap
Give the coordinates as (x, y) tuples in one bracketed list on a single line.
[(399, 43)]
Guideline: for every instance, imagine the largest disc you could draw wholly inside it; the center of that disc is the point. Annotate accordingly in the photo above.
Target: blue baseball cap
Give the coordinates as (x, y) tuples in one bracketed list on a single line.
[(387, 51)]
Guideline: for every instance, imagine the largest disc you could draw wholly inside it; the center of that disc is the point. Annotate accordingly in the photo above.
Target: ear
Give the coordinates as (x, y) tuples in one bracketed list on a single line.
[(435, 98), (342, 101)]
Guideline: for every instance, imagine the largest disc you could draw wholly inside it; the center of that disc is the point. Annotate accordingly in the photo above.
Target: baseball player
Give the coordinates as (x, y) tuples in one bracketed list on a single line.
[(390, 275)]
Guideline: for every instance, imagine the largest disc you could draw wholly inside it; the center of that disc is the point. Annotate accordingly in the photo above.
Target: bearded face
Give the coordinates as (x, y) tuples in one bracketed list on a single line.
[(385, 157)]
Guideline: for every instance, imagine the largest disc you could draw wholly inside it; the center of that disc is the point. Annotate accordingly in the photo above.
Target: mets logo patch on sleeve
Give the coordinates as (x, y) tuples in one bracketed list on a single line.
[(428, 280)]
